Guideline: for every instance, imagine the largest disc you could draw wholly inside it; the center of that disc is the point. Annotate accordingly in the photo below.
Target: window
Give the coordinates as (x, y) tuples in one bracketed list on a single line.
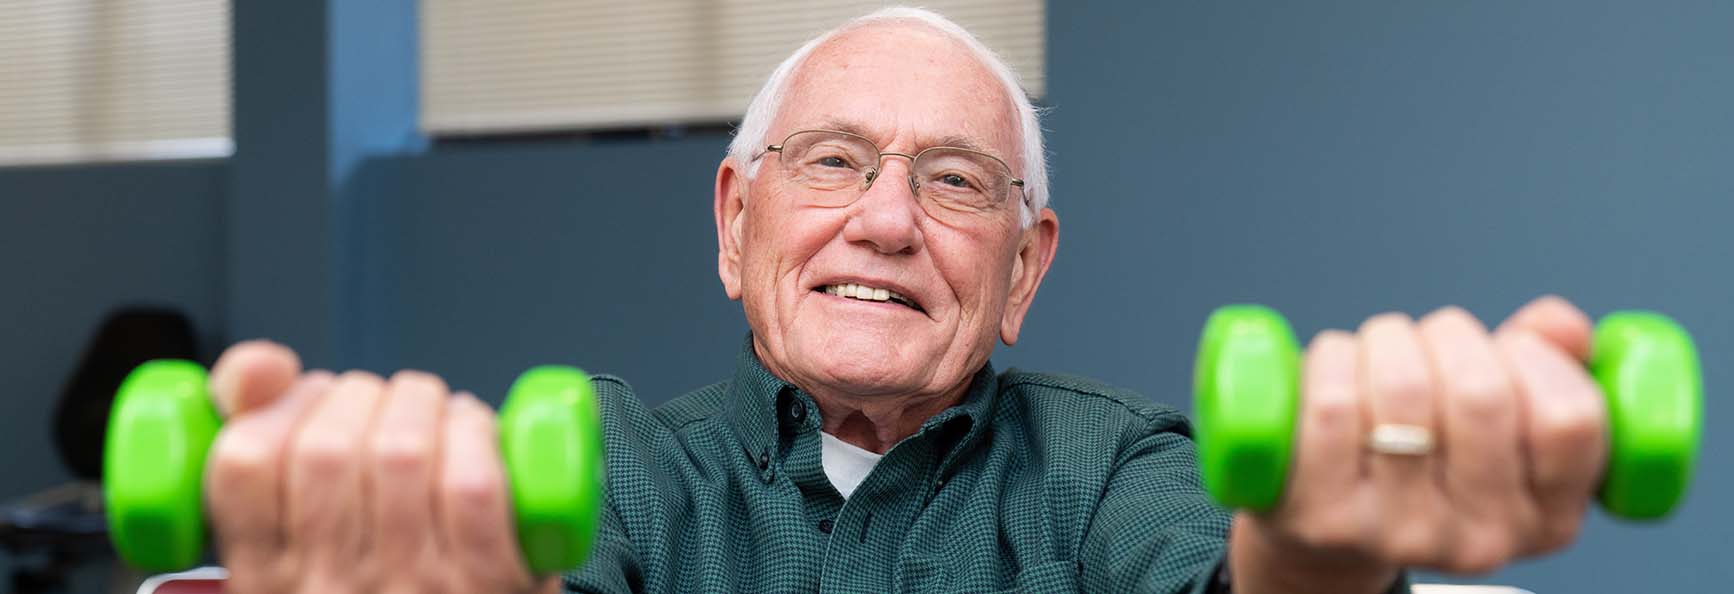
[(88, 80), (537, 65)]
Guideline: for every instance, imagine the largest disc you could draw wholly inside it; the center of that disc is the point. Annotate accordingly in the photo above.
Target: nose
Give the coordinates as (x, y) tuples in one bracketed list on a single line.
[(886, 216)]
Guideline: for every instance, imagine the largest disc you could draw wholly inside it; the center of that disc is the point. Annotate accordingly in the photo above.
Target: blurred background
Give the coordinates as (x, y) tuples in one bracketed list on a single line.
[(473, 187)]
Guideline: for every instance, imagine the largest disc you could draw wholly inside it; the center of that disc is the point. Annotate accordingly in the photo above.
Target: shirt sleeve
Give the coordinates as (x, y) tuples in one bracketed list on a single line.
[(615, 565), (1155, 529), (612, 567)]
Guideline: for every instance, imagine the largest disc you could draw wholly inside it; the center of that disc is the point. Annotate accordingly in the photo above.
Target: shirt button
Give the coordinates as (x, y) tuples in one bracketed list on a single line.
[(797, 411), (764, 460), (825, 525)]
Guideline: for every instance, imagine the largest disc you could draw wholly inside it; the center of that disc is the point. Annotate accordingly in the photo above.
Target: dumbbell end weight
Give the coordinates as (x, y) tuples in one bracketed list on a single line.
[(1245, 386), (551, 440), (159, 431), (1647, 367)]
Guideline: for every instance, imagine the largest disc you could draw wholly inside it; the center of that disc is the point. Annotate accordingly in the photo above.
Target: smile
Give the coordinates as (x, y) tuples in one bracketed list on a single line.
[(866, 293)]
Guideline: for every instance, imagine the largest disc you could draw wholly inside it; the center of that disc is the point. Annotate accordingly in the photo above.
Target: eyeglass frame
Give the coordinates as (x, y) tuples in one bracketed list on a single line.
[(878, 165)]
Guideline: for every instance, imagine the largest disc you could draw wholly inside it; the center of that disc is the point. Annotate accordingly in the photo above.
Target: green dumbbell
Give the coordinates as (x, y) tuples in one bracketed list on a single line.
[(164, 421), (1246, 391)]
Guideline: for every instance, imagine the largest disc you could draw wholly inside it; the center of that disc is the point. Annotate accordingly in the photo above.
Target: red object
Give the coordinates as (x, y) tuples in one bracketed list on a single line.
[(187, 586), (204, 580)]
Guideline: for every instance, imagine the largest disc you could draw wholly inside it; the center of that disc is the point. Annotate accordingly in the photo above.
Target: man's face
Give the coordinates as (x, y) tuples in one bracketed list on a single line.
[(970, 278)]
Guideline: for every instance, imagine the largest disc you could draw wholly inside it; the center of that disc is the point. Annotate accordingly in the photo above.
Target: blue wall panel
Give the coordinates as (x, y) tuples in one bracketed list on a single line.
[(76, 242)]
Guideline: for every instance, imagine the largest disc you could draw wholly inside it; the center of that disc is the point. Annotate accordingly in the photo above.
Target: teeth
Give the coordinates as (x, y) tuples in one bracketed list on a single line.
[(865, 293)]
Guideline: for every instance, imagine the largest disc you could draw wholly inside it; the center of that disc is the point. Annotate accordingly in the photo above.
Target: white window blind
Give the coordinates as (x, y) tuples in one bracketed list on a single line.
[(527, 65), (84, 80)]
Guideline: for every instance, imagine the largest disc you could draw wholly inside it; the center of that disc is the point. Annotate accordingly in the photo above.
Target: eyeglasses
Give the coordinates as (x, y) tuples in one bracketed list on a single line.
[(840, 167)]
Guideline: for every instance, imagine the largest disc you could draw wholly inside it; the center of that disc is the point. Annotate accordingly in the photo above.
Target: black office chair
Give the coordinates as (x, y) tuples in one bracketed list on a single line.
[(51, 534)]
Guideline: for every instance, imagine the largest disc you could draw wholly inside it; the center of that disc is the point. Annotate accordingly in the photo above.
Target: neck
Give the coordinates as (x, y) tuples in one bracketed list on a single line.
[(876, 423), (872, 422)]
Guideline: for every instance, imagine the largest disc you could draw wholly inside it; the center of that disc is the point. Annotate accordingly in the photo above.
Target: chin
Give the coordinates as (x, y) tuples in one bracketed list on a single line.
[(864, 365)]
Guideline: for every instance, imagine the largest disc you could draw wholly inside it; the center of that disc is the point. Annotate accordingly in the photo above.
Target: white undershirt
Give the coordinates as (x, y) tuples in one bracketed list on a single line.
[(845, 464)]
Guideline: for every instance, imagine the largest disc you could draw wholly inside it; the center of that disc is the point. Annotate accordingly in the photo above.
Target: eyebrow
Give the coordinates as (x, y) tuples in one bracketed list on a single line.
[(951, 140)]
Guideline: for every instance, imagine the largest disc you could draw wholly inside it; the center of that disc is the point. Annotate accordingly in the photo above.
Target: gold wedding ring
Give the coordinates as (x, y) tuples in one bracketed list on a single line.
[(1400, 440)]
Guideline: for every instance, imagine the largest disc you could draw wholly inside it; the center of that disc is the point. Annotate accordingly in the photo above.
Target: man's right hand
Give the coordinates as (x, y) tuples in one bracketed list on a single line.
[(352, 483)]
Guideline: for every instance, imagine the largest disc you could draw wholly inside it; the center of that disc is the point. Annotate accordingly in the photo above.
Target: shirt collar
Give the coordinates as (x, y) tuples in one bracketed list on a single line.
[(755, 393), (752, 402)]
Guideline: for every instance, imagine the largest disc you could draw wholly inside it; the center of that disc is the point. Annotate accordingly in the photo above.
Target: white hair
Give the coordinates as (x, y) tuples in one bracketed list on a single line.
[(750, 138)]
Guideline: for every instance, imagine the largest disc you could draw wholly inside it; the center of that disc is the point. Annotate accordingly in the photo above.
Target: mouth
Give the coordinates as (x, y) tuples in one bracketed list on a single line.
[(861, 292)]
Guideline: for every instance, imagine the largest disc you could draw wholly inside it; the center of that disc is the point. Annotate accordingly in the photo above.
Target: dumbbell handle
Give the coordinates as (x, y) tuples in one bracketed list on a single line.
[(164, 421), (1246, 392)]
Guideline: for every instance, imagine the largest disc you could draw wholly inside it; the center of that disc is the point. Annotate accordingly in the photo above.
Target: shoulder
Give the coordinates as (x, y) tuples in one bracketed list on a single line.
[(1059, 398), (624, 415)]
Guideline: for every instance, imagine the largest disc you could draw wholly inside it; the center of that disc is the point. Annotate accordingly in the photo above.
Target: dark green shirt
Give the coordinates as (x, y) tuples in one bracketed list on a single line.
[(1035, 482)]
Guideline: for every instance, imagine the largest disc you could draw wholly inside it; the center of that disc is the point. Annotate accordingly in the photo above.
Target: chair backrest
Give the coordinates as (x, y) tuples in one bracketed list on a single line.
[(127, 337)]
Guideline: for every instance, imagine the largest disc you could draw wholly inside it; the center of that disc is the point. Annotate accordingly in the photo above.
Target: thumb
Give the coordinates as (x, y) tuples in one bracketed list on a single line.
[(251, 375), (1555, 321)]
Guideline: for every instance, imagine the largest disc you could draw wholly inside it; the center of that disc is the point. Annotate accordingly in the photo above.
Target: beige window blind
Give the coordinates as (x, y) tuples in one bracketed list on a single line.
[(84, 80), (531, 65)]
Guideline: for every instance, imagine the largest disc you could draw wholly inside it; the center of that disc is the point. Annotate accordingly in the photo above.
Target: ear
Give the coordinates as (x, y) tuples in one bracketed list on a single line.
[(730, 210), (1034, 256)]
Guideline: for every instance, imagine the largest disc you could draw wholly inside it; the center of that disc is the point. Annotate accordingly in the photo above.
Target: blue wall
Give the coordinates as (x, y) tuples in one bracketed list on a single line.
[(76, 242), (1338, 161), (479, 262), (1333, 161)]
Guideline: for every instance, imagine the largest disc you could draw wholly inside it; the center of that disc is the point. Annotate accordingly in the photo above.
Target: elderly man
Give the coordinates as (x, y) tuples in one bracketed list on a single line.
[(881, 216)]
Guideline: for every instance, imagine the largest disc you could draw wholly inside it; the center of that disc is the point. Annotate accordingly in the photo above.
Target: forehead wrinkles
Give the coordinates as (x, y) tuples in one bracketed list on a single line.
[(856, 69)]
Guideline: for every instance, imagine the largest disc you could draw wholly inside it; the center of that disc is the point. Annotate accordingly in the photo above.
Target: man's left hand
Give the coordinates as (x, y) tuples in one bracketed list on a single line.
[(1512, 442)]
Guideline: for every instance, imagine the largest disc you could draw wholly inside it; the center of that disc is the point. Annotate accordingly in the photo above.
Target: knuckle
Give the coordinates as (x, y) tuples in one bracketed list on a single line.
[(1329, 535), (1389, 317), (402, 455), (1555, 303), (417, 379), (1481, 553), (1402, 385), (472, 491), (414, 583), (1567, 429), (238, 460), (1333, 410), (250, 580), (1451, 316), (1332, 338), (321, 456), (362, 377), (1413, 543), (1483, 397), (1558, 532)]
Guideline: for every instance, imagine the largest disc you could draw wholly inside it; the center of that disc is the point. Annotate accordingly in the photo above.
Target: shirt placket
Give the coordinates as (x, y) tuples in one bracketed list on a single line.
[(873, 524)]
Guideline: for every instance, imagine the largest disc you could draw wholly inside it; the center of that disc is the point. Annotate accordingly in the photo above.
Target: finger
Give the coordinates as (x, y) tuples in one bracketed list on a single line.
[(326, 494), (475, 513), (1478, 425), (244, 482), (1399, 391), (1331, 426), (1564, 433), (1330, 464), (1556, 320), (404, 456), (251, 374)]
